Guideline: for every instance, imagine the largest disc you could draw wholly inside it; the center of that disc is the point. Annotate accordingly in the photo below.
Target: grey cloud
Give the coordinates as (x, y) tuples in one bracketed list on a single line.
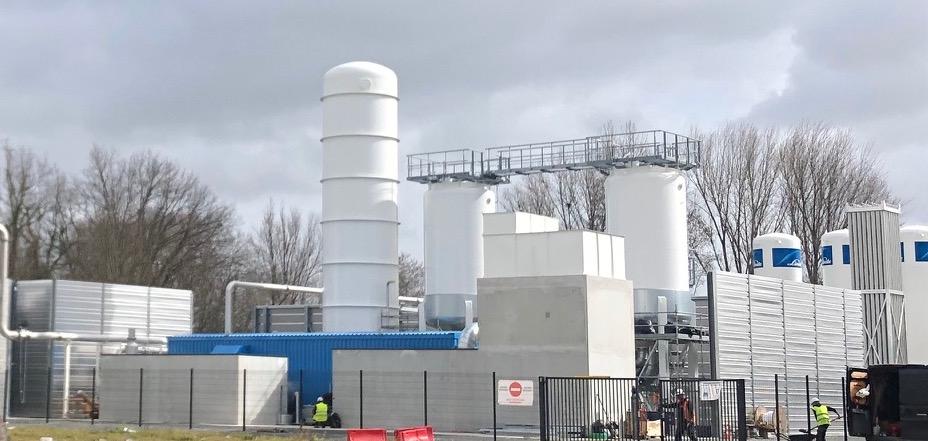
[(230, 89)]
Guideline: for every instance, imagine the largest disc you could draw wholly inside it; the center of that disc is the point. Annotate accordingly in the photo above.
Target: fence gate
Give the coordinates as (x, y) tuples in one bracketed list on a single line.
[(622, 408)]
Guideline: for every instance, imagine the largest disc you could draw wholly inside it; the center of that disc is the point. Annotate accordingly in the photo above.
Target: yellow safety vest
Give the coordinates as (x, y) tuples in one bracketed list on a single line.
[(321, 414), (821, 415)]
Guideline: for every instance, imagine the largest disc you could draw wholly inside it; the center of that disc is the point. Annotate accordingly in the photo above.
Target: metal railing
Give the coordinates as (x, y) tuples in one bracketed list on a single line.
[(495, 165)]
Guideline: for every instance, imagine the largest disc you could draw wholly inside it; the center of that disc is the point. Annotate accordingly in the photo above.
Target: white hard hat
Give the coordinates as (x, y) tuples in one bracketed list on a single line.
[(815, 400), (319, 400), (680, 392)]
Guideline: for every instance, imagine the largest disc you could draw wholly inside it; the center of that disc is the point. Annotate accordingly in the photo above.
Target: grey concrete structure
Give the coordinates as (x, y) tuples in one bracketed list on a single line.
[(530, 326), (217, 389)]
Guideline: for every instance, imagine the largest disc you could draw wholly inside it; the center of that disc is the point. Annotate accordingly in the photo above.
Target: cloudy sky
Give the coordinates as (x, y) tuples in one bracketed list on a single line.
[(231, 89)]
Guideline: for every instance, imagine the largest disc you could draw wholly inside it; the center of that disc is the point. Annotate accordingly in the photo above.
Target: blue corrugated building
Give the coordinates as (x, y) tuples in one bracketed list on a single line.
[(309, 353)]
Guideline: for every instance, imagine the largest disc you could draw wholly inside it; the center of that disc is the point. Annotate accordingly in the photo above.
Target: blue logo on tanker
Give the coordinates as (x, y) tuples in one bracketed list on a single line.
[(758, 258), (787, 257), (921, 251), (827, 255)]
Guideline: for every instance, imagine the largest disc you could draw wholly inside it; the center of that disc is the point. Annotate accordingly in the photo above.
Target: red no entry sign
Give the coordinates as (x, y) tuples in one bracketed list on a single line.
[(515, 393)]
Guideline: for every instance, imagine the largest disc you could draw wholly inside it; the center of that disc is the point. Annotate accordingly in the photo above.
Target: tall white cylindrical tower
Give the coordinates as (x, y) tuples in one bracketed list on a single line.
[(647, 205), (915, 287), (453, 229), (778, 255), (359, 184), (836, 259)]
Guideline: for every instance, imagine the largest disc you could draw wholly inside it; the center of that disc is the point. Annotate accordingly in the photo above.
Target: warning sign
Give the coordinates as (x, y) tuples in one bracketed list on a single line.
[(515, 393), (710, 390)]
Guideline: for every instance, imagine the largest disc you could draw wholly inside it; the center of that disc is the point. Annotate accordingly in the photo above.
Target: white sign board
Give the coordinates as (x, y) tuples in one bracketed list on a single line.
[(710, 390), (515, 393)]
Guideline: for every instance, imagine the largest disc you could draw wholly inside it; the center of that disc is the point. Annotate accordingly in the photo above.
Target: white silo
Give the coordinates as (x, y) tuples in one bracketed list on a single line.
[(359, 185), (778, 255), (453, 229), (915, 287), (836, 259), (647, 206)]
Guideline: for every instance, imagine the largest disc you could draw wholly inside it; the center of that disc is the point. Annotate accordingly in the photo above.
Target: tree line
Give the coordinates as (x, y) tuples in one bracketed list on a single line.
[(751, 180), (144, 220)]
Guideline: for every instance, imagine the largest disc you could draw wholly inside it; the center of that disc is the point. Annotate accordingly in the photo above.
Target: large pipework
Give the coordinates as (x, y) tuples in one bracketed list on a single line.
[(25, 334), (647, 206), (230, 294), (360, 175)]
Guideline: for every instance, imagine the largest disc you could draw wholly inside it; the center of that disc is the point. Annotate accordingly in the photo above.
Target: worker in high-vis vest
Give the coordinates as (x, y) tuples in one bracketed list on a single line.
[(822, 418), (320, 413)]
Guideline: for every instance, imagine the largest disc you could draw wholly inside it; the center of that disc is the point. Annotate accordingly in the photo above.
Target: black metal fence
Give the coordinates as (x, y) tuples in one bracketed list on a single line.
[(619, 408)]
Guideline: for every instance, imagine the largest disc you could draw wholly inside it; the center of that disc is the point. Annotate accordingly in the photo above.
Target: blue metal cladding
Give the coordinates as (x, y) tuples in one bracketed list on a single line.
[(310, 353), (846, 254)]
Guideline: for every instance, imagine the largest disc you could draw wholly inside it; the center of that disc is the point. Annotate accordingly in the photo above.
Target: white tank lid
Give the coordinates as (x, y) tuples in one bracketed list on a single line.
[(914, 232), (776, 238), (359, 77)]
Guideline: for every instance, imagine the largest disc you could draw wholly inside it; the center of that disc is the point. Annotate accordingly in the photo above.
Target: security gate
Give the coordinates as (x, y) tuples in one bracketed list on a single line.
[(623, 408)]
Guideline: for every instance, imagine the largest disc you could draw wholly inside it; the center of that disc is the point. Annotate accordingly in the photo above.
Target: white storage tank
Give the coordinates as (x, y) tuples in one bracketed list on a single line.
[(915, 287), (453, 229), (360, 174), (836, 259), (647, 206), (778, 255)]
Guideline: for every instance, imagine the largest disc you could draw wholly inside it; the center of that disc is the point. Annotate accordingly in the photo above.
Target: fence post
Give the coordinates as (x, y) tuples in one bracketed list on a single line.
[(542, 407), (299, 402), (48, 395), (141, 394), (808, 408), (742, 409), (361, 396), (93, 395), (425, 397), (844, 406), (190, 405), (494, 405), (244, 402), (6, 388), (776, 409)]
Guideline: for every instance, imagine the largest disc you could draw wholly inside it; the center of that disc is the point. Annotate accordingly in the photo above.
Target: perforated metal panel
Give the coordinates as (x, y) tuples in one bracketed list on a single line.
[(763, 327), (84, 308)]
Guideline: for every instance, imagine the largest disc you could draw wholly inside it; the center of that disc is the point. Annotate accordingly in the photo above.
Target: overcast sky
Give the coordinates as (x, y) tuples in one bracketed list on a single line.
[(231, 89)]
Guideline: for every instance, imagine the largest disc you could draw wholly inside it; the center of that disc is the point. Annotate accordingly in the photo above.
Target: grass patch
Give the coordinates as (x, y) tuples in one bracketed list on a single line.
[(33, 433)]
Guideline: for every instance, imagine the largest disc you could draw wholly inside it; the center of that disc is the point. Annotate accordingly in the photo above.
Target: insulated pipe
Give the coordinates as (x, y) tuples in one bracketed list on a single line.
[(25, 334), (66, 397), (230, 290)]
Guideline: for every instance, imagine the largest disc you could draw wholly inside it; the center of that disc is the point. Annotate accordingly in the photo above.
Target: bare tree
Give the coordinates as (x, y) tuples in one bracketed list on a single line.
[(412, 276), (142, 220), (823, 169), (286, 250), (32, 189), (736, 194)]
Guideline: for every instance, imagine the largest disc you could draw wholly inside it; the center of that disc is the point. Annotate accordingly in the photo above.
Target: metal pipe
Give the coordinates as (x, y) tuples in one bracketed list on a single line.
[(25, 334), (65, 401), (230, 290)]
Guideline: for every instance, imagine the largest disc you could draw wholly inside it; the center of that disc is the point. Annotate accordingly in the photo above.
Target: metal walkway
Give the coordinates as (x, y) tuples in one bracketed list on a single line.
[(495, 165)]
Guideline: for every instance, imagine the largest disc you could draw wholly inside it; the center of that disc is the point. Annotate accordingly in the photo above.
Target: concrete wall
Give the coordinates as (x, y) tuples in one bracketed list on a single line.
[(530, 327), (217, 388)]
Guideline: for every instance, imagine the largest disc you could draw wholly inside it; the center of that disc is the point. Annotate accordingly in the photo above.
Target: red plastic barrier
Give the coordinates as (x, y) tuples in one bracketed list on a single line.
[(421, 433), (367, 434)]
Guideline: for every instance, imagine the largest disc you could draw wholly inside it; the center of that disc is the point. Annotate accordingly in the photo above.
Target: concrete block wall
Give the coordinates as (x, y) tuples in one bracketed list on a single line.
[(217, 389)]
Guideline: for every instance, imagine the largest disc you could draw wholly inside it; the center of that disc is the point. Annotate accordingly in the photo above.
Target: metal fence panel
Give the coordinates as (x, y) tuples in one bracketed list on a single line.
[(618, 408)]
